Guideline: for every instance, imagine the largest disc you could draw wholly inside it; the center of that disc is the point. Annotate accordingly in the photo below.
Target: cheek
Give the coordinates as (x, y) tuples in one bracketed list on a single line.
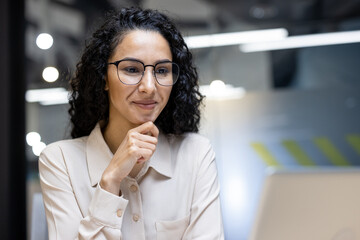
[(166, 96), (117, 93)]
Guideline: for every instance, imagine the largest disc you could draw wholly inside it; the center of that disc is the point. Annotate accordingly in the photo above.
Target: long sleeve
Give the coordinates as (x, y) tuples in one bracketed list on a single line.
[(206, 220), (65, 219)]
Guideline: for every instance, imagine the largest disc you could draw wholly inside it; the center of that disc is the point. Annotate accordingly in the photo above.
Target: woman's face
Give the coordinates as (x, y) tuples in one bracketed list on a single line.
[(132, 105)]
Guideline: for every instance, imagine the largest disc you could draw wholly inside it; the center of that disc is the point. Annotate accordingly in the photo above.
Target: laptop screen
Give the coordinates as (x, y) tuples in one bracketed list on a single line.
[(309, 204)]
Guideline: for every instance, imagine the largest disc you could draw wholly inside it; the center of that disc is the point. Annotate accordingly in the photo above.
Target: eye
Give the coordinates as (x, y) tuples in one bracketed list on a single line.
[(162, 70), (131, 69)]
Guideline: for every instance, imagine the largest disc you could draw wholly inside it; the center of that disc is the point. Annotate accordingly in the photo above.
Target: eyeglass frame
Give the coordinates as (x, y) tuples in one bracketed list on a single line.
[(116, 63)]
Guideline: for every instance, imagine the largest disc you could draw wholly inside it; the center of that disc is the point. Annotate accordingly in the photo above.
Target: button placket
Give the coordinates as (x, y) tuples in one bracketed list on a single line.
[(134, 212), (135, 195), (134, 191)]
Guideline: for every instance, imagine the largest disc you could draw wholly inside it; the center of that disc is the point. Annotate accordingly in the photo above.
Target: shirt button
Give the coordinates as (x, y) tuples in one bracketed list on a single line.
[(133, 188), (135, 218), (119, 212)]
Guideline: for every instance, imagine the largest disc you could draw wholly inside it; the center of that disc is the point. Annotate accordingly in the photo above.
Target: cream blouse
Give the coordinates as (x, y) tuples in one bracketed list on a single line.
[(174, 196)]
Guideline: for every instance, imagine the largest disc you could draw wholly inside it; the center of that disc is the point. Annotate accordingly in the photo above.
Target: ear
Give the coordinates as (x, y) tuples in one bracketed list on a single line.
[(106, 88)]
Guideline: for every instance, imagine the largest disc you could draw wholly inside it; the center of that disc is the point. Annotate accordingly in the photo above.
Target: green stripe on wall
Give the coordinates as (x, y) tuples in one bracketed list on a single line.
[(330, 151), (264, 154), (295, 150), (354, 141)]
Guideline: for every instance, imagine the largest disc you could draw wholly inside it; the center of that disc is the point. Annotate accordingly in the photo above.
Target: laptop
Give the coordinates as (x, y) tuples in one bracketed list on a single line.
[(309, 204)]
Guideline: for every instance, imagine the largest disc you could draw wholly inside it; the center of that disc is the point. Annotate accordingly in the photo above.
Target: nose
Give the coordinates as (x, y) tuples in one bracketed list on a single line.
[(148, 81)]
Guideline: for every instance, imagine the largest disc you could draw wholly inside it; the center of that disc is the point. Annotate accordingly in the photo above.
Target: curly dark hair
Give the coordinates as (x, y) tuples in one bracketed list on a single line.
[(89, 101)]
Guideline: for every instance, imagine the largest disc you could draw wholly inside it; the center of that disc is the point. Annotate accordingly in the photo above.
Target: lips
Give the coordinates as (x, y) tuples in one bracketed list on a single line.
[(145, 104)]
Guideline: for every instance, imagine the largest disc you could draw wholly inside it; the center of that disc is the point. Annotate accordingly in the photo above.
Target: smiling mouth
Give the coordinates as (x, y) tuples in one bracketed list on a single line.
[(147, 105)]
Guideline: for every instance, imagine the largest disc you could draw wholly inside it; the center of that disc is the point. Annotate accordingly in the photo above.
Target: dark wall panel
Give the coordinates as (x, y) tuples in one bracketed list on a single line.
[(12, 121)]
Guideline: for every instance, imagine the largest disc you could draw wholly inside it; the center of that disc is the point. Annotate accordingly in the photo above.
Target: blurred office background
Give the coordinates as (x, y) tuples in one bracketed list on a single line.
[(285, 97)]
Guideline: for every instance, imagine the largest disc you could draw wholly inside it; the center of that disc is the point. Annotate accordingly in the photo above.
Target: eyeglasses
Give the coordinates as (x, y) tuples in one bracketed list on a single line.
[(131, 71)]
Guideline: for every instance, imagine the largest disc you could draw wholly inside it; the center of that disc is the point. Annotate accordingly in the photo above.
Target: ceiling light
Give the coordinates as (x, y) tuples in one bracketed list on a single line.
[(44, 41), (217, 85), (32, 138), (47, 96), (311, 40), (235, 38), (50, 74), (218, 90)]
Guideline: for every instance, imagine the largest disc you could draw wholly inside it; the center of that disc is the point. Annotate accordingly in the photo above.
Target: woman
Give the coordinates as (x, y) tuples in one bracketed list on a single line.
[(136, 169)]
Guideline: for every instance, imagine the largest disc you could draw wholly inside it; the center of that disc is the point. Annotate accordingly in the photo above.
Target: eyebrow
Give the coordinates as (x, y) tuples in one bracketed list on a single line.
[(136, 59)]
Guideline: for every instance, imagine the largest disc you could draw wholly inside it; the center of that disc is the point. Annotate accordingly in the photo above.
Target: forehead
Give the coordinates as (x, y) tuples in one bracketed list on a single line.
[(142, 44)]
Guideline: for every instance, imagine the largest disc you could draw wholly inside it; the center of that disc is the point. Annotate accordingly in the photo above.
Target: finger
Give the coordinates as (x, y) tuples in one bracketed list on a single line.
[(154, 131), (146, 145), (148, 128), (139, 149), (135, 137), (144, 155)]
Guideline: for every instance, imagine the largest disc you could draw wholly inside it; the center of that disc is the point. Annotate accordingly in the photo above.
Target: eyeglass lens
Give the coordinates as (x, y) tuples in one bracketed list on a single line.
[(131, 72)]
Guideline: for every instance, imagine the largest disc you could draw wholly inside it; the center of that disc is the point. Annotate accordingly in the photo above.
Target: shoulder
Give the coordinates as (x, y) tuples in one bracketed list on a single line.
[(190, 140), (74, 144), (57, 150), (191, 153), (54, 160), (191, 145)]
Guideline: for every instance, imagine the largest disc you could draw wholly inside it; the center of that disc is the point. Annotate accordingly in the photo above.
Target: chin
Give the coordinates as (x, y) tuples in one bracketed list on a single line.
[(145, 119)]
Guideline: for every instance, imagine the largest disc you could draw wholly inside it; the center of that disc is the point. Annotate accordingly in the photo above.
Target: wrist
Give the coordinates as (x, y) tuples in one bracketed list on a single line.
[(108, 184)]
